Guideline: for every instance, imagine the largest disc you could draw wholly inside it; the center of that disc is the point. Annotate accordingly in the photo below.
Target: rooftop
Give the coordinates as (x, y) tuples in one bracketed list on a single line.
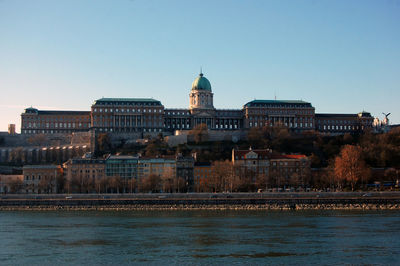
[(127, 100), (259, 103), (122, 157), (32, 110), (267, 154), (47, 166), (52, 112), (335, 115)]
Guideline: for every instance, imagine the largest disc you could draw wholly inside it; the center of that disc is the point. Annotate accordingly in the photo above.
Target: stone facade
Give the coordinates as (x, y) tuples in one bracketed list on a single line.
[(343, 123), (201, 175), (41, 178), (84, 168), (141, 117), (296, 115), (123, 166), (127, 115), (268, 163), (34, 121)]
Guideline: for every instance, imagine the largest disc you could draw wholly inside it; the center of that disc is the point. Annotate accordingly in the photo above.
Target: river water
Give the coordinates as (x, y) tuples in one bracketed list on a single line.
[(199, 237)]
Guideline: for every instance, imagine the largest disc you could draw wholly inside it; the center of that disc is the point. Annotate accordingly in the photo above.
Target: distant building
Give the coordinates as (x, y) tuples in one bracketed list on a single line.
[(84, 168), (185, 170), (11, 129), (287, 165), (127, 115), (343, 123), (163, 167), (201, 176), (251, 162), (135, 167), (123, 166), (267, 163), (139, 117), (296, 115), (34, 121), (41, 178)]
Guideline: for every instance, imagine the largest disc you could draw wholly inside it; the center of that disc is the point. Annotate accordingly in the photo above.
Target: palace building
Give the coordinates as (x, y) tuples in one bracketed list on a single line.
[(127, 115), (34, 121), (147, 116)]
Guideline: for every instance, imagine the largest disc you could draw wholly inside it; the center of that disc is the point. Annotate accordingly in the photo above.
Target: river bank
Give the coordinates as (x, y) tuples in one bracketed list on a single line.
[(319, 201)]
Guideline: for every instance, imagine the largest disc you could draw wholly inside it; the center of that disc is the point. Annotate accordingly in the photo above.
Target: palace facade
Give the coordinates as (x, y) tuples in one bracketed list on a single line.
[(34, 121), (148, 116)]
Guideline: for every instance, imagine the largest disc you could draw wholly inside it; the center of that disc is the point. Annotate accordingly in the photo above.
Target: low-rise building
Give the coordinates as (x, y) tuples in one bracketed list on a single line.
[(184, 170), (123, 166), (287, 165), (41, 178), (270, 164), (202, 173), (84, 168), (163, 167), (251, 162)]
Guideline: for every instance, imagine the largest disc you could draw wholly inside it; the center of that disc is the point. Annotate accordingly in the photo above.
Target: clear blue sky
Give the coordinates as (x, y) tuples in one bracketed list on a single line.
[(342, 56)]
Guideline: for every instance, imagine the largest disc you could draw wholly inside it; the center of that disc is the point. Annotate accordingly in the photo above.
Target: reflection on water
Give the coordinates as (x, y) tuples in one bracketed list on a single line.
[(200, 237)]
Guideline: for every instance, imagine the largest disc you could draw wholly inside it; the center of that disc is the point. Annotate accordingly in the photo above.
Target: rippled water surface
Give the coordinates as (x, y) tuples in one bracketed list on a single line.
[(200, 237)]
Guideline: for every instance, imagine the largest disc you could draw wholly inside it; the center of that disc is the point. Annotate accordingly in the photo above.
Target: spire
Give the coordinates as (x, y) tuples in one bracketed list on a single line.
[(201, 72)]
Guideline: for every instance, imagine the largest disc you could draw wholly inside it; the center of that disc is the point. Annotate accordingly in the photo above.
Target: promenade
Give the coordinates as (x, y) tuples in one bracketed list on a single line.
[(214, 201)]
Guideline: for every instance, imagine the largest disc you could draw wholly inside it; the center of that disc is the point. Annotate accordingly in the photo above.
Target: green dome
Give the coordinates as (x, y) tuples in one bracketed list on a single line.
[(201, 83)]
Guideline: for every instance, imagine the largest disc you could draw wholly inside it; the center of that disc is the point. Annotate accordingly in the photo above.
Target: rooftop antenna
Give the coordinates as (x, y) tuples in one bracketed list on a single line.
[(275, 95)]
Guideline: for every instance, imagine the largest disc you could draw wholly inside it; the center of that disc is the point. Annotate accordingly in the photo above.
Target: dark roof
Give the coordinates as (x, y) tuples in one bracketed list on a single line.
[(52, 112), (335, 115), (88, 161), (262, 153), (262, 103), (288, 156), (122, 157), (128, 101), (268, 154), (46, 166), (364, 114), (31, 110)]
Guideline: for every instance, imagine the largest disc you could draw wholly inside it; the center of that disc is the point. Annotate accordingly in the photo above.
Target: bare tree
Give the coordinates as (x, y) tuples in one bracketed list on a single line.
[(221, 172), (15, 185), (151, 183), (38, 140), (200, 133), (46, 184), (350, 166)]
